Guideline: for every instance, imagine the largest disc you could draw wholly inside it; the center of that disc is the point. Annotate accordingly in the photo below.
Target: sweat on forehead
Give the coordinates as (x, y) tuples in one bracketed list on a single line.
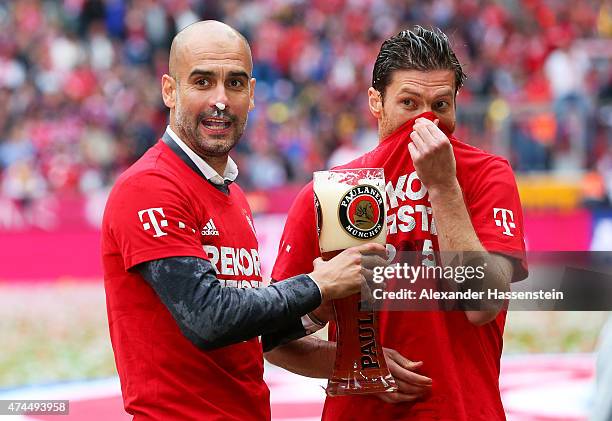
[(210, 32)]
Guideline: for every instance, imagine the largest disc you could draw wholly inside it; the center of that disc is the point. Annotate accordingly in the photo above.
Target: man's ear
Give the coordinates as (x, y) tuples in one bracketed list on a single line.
[(168, 91), (375, 102), (252, 94)]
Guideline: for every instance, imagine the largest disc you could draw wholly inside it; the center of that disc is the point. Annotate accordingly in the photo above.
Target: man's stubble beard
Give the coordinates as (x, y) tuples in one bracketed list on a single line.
[(384, 127), (213, 147)]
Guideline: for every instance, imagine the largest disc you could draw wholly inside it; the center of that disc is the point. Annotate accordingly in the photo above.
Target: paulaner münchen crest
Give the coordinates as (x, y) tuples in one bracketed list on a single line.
[(361, 212)]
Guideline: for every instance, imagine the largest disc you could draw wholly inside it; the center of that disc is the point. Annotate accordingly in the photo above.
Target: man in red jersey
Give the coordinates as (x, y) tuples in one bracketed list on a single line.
[(442, 195), (182, 276)]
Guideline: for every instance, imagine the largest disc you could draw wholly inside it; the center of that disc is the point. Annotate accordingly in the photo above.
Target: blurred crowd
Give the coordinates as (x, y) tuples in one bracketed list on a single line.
[(80, 83)]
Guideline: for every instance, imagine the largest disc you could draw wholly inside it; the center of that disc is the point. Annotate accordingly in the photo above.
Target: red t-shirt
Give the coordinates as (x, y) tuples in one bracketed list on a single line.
[(159, 208), (461, 358)]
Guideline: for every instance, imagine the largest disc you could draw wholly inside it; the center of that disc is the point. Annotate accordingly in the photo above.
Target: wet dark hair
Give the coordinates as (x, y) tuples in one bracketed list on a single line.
[(416, 49)]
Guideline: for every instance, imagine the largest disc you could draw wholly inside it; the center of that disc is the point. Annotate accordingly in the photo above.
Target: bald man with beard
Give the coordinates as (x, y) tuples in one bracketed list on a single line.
[(185, 298)]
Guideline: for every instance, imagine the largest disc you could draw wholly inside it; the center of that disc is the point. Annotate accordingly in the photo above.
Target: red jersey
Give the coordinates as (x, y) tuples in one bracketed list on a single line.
[(160, 207), (462, 359)]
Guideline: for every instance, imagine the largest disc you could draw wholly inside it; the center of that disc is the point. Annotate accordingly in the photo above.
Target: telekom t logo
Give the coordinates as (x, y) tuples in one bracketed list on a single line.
[(153, 221), (506, 222)]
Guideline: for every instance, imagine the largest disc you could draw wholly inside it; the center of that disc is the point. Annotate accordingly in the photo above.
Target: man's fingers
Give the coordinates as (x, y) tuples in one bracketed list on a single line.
[(371, 282), (391, 252), (407, 374), (427, 128), (430, 134), (425, 133), (411, 389), (422, 121), (414, 152), (397, 397), (437, 134), (421, 146), (371, 249), (368, 275), (413, 378), (372, 261), (403, 361)]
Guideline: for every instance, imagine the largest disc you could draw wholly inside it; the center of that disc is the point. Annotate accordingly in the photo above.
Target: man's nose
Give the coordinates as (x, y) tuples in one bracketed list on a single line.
[(219, 95)]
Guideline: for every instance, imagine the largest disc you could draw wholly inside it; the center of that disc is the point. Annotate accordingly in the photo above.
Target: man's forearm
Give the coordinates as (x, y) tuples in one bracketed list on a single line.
[(309, 356), (212, 316), (456, 234), (453, 223)]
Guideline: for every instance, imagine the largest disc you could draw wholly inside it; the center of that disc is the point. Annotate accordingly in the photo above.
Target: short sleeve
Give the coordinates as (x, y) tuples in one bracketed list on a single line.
[(149, 217), (496, 213), (299, 244)]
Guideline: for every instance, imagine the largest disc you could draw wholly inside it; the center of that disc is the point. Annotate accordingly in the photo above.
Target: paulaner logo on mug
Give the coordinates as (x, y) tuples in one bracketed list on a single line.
[(361, 212)]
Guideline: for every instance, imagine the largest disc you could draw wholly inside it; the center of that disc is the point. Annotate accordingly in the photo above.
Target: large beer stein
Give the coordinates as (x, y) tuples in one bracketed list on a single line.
[(351, 211)]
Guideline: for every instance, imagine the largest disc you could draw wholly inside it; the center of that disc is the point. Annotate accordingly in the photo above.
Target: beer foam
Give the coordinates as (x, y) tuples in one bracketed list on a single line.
[(374, 182)]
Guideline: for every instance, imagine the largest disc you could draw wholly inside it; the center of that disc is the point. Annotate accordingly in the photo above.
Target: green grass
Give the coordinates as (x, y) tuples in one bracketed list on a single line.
[(59, 331), (546, 331), (53, 332)]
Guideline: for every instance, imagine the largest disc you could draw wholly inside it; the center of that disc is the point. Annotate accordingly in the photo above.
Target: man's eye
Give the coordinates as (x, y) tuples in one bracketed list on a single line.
[(235, 83), (442, 105), (202, 82), (407, 102)]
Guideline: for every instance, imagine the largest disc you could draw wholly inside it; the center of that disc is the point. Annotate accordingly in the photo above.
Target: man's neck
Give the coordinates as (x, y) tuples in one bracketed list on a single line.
[(218, 163)]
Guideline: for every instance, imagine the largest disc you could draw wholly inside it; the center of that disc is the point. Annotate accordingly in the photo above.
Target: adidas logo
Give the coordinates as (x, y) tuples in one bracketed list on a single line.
[(210, 228)]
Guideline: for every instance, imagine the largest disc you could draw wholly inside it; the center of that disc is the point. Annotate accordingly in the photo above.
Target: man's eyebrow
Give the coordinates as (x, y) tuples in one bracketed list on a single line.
[(446, 92), (234, 73), (239, 73), (201, 72)]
